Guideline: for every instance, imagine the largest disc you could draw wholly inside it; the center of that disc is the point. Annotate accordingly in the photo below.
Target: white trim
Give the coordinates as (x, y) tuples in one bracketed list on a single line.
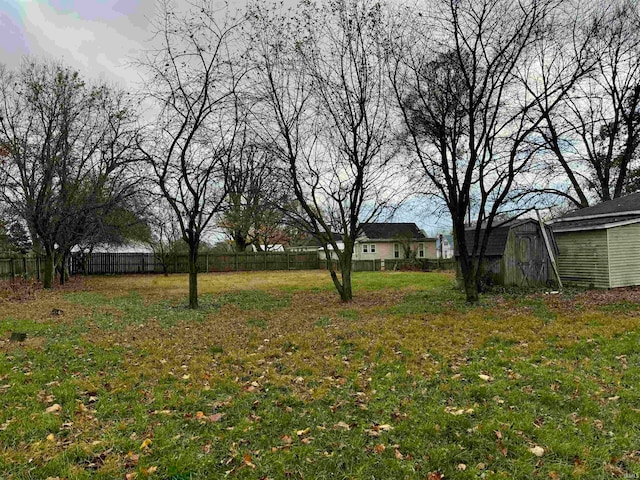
[(597, 227), (591, 217)]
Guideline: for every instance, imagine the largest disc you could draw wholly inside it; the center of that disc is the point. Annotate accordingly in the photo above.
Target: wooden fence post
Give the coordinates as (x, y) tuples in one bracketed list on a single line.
[(13, 270)]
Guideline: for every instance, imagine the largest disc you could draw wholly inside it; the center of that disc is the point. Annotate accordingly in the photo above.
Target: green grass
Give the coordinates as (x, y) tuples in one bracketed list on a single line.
[(269, 381)]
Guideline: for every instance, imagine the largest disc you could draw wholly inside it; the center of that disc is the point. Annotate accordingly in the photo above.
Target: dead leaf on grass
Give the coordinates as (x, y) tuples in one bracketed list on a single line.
[(246, 459), (55, 408), (537, 450)]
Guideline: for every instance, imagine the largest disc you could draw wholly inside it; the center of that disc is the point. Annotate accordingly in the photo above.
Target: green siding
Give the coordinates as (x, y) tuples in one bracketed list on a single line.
[(624, 255), (582, 258)]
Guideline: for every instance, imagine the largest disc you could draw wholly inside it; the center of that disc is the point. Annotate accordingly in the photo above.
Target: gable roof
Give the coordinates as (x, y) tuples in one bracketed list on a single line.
[(498, 237), (392, 231), (612, 213)]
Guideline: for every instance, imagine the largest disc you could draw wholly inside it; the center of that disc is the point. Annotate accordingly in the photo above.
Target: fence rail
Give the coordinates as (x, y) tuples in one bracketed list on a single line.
[(114, 263), (20, 266), (127, 263)]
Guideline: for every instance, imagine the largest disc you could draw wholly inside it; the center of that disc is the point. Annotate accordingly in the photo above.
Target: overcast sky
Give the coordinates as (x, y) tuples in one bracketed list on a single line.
[(98, 38), (95, 36)]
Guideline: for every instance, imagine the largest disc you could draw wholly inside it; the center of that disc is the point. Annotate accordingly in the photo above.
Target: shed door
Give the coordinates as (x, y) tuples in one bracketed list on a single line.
[(531, 258)]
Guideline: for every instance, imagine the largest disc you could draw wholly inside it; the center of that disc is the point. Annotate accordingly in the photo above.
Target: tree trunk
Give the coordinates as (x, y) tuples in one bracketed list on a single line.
[(347, 293), (469, 277), (47, 279), (343, 287), (471, 289), (62, 269), (193, 276)]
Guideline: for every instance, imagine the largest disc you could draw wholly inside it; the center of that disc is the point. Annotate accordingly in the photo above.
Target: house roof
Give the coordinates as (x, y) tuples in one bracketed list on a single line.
[(613, 213), (312, 241), (392, 231)]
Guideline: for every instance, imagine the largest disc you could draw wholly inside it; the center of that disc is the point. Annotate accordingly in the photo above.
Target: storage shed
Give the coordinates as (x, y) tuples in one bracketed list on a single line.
[(599, 246), (516, 254)]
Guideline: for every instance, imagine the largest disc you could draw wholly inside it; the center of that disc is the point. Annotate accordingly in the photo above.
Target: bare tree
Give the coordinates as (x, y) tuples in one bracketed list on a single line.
[(467, 76), (68, 156), (253, 208), (594, 135), (326, 109), (193, 77)]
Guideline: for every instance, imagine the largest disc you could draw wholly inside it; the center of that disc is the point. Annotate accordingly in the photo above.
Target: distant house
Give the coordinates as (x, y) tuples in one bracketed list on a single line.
[(516, 253), (129, 247), (312, 244), (388, 241), (599, 246), (444, 246)]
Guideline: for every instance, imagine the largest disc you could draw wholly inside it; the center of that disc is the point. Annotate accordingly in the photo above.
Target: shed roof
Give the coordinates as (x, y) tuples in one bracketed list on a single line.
[(627, 204), (497, 238), (613, 213)]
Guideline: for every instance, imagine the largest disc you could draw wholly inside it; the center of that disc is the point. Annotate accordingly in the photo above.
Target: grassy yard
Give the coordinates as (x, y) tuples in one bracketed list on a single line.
[(274, 378)]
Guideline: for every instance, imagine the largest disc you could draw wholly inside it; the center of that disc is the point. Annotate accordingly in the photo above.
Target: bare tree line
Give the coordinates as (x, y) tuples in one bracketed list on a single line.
[(329, 115)]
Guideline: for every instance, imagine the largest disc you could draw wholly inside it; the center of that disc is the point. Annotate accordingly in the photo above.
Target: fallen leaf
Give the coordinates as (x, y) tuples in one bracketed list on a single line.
[(51, 437), (484, 377), (55, 408), (342, 425), (130, 476), (150, 470), (398, 454), (537, 451), (247, 461), (300, 433), (286, 439), (458, 411), (501, 448), (131, 460), (216, 417), (435, 476), (461, 467), (379, 448), (145, 444)]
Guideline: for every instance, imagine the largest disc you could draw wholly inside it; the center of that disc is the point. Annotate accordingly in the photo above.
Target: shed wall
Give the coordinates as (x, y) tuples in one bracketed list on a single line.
[(624, 255), (583, 258)]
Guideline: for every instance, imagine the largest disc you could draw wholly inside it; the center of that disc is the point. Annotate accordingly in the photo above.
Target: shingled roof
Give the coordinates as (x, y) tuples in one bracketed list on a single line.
[(497, 238), (619, 211), (627, 204), (392, 231)]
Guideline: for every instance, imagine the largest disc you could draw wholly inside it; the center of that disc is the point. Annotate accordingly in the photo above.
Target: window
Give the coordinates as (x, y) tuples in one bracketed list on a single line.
[(373, 248), (365, 248), (421, 250), (396, 250)]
